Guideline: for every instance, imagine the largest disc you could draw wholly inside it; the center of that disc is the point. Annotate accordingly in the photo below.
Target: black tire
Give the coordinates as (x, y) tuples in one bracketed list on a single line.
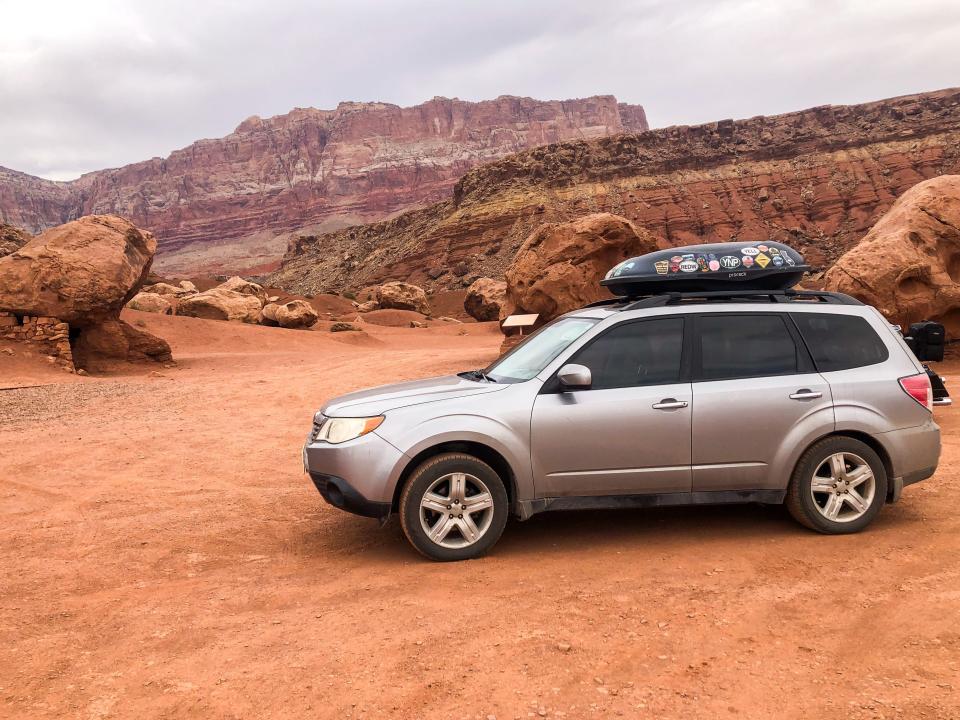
[(800, 500), (426, 475)]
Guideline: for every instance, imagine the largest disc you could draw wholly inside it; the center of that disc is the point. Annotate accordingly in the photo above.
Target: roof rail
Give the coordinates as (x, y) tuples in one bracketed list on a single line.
[(774, 296), (608, 301)]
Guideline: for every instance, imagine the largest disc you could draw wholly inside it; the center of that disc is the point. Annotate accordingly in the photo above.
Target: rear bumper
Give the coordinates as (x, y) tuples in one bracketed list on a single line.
[(915, 454)]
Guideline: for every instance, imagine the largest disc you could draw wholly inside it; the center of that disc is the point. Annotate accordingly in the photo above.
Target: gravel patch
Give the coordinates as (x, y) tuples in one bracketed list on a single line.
[(23, 406)]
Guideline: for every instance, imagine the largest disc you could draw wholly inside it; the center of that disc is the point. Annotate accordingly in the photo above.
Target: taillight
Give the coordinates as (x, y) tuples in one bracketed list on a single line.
[(918, 387)]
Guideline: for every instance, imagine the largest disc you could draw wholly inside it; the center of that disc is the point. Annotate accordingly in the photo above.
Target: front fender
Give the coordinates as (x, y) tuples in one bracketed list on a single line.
[(507, 436)]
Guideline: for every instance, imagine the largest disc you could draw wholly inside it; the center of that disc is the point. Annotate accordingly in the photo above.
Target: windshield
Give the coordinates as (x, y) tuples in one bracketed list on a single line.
[(532, 355)]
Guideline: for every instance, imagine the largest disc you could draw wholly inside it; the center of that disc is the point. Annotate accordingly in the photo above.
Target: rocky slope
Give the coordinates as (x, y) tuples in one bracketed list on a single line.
[(11, 239), (221, 204), (817, 179)]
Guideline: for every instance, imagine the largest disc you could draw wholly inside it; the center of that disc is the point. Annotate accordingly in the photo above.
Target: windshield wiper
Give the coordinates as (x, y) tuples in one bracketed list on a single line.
[(477, 375)]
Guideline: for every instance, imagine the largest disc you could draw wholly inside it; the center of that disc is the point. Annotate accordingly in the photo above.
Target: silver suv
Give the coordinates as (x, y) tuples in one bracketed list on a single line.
[(808, 399)]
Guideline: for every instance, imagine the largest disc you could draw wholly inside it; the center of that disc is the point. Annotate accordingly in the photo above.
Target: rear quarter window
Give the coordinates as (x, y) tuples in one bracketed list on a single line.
[(840, 342)]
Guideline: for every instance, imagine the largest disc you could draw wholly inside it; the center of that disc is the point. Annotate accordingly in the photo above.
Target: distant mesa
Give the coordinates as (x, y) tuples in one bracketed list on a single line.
[(226, 205), (816, 180)]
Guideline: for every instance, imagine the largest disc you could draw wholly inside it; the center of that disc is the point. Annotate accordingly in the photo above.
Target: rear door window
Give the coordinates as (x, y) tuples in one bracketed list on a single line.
[(744, 346), (840, 342)]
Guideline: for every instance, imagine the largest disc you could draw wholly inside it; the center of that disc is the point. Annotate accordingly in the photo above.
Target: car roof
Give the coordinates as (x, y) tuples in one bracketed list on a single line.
[(726, 301)]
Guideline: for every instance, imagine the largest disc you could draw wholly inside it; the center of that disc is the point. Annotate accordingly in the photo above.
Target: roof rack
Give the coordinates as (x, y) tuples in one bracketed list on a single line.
[(773, 296)]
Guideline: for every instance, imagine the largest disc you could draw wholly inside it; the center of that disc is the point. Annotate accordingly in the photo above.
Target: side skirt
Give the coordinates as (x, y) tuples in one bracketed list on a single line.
[(529, 508)]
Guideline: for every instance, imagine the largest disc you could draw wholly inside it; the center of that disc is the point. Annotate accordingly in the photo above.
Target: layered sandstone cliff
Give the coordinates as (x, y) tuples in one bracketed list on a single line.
[(817, 179), (221, 204)]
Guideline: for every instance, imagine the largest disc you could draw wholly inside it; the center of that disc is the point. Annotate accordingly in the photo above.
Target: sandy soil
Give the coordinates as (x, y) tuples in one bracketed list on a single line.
[(163, 555)]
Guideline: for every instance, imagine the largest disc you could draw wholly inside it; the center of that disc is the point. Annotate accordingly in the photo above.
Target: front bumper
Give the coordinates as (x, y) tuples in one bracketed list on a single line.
[(355, 475), (339, 493)]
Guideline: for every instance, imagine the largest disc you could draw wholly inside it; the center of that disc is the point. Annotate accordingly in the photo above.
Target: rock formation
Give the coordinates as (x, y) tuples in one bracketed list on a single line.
[(221, 204), (402, 296), (219, 303), (485, 298), (294, 314), (559, 267), (167, 290), (151, 302), (244, 287), (908, 265), (816, 179), (82, 274), (117, 339), (11, 239)]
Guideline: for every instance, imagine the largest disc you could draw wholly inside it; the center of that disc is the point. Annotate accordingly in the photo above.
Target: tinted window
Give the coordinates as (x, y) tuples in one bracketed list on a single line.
[(840, 342), (635, 353), (738, 346)]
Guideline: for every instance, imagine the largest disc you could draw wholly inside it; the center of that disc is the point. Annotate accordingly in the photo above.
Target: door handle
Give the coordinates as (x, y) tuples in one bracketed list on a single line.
[(669, 404), (806, 395)]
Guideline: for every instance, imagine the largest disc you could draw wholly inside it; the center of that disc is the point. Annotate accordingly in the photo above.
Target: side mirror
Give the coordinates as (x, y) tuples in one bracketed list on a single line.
[(574, 377)]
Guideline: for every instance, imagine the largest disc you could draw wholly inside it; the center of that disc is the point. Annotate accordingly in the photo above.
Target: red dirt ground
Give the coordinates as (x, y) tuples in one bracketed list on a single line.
[(163, 555)]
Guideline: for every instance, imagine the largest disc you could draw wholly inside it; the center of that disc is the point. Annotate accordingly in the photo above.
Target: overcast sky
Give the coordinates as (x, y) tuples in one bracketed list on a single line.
[(88, 84)]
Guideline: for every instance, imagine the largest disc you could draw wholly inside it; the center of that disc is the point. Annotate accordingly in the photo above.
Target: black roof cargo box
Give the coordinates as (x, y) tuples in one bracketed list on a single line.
[(702, 268)]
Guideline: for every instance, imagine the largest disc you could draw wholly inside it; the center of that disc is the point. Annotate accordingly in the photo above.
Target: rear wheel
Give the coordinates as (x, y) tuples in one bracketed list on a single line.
[(453, 507), (838, 486)]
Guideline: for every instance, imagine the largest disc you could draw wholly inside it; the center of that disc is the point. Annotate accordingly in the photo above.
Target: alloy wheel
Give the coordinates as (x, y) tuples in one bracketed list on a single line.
[(843, 487), (456, 510)]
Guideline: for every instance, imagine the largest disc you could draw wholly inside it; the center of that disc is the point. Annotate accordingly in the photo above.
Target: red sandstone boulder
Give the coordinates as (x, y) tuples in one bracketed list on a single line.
[(151, 302), (168, 290), (221, 304), (403, 296), (82, 272), (908, 265), (484, 299), (268, 315), (294, 314), (117, 339), (559, 266), (244, 287)]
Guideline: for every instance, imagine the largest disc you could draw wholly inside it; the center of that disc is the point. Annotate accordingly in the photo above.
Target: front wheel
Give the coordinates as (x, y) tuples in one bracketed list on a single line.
[(838, 486), (453, 507)]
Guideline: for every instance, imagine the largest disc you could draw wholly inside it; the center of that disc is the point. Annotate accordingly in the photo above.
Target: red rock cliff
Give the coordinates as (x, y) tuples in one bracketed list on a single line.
[(816, 179), (220, 204)]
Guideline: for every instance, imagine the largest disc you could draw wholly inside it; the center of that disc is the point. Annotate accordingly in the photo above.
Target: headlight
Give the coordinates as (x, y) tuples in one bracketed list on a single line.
[(338, 430)]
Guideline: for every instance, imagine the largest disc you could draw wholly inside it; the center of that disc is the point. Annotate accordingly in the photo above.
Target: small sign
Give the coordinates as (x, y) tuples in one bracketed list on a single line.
[(520, 321)]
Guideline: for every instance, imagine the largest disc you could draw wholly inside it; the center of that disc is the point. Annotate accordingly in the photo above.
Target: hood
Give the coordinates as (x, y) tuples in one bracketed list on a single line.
[(378, 400)]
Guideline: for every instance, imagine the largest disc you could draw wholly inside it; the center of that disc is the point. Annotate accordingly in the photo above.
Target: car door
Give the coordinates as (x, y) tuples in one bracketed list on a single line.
[(630, 432), (757, 401)]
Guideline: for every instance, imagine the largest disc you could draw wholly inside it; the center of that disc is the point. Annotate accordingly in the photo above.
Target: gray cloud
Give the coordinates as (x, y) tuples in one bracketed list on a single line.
[(108, 82)]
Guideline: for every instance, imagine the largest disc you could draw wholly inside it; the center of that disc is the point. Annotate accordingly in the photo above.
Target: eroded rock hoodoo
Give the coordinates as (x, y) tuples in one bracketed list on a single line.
[(76, 278), (908, 265)]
